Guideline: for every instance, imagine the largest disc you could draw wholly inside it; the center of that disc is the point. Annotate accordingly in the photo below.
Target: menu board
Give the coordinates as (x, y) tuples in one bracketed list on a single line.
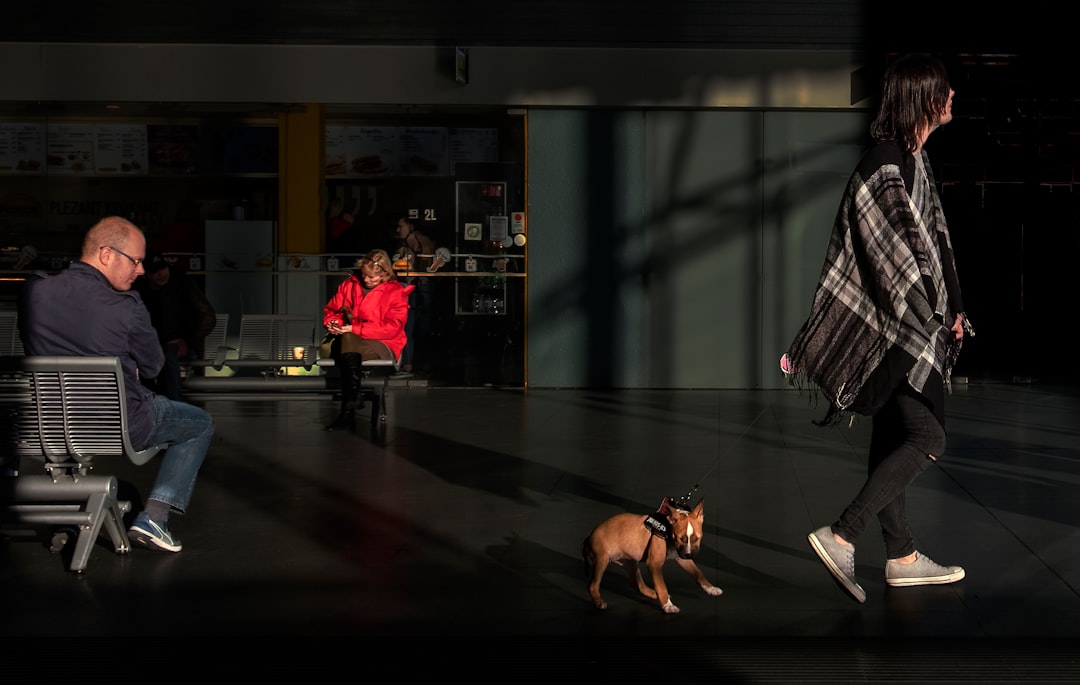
[(373, 150), (473, 145), (173, 148), (140, 149), (405, 150), (22, 148), (69, 148), (337, 151), (120, 149), (424, 152)]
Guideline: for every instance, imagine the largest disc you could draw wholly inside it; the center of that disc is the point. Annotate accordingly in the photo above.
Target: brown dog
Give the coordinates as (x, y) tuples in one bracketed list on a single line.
[(627, 539)]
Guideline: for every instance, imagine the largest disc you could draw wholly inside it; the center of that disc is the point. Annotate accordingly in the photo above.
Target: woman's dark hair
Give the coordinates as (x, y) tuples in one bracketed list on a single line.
[(914, 92)]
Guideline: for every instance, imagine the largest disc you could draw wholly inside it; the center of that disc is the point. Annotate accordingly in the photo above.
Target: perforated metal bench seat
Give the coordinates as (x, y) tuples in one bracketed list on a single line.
[(60, 417)]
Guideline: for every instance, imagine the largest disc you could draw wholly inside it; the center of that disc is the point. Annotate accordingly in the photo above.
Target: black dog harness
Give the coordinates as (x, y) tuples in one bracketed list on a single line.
[(658, 523)]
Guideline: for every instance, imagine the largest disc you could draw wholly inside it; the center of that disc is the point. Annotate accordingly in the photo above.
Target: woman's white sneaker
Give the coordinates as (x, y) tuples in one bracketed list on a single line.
[(923, 571), (838, 559)]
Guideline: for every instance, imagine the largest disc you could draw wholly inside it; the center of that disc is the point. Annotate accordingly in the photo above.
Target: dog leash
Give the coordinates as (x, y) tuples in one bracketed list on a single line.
[(683, 503), (657, 523)]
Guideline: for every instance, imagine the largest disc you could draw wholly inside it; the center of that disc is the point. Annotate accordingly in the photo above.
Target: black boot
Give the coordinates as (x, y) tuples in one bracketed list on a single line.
[(350, 393), (352, 376), (346, 420)]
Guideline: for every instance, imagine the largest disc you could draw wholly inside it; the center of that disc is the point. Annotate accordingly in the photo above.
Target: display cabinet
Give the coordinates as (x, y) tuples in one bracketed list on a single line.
[(484, 249)]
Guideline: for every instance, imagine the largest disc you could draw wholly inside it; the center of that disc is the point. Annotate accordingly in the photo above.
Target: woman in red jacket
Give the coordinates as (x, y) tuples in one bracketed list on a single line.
[(368, 311)]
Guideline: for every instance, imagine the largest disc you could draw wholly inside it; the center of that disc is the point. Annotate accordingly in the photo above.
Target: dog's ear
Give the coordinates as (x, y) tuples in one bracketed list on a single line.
[(699, 508)]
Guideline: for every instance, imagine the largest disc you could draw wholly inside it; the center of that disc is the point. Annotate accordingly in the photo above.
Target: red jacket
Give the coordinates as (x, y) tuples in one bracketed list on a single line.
[(379, 315)]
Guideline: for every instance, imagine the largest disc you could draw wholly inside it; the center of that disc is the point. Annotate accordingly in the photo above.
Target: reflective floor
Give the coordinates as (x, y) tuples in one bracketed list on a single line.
[(446, 548)]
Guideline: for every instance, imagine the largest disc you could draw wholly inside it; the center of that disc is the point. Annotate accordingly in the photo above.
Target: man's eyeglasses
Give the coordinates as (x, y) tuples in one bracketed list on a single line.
[(134, 262)]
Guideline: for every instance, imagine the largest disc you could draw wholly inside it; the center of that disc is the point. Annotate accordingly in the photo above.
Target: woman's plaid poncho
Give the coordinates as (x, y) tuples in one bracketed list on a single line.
[(887, 294)]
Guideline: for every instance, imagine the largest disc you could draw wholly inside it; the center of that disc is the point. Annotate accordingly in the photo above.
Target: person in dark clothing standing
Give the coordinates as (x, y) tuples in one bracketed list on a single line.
[(415, 252), (88, 310), (182, 316)]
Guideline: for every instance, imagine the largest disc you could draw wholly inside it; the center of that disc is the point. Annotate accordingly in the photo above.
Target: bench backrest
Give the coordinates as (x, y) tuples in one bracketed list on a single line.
[(10, 342), (65, 409), (217, 337), (272, 337), (216, 343)]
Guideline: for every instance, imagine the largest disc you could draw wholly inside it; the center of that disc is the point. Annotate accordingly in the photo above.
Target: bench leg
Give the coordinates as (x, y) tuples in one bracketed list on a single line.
[(114, 525), (86, 504), (88, 533), (105, 511)]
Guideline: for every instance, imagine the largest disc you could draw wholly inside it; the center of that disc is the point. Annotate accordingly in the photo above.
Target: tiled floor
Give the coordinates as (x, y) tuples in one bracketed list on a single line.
[(448, 548)]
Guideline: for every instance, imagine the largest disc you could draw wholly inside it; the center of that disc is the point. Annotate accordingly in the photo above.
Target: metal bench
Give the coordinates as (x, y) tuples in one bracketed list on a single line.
[(57, 416), (376, 394), (269, 343)]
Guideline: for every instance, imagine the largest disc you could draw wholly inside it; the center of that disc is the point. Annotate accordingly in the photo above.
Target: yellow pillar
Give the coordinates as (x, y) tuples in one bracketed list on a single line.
[(301, 149)]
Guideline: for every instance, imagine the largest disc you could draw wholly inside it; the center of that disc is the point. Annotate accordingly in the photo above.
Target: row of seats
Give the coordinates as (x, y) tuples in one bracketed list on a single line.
[(270, 343), (267, 345), (267, 341)]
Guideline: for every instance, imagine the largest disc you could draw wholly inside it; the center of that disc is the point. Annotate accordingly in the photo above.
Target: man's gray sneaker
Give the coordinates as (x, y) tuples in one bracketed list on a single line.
[(838, 559), (922, 572)]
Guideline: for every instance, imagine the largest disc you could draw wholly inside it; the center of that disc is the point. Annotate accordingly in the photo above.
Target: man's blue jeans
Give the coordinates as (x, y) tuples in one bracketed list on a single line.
[(186, 430)]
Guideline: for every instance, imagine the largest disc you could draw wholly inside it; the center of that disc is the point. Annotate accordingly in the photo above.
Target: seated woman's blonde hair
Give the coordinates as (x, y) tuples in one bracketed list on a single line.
[(376, 262)]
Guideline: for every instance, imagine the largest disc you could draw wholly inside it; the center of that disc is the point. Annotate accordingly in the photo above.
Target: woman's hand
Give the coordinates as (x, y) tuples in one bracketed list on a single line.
[(958, 327)]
